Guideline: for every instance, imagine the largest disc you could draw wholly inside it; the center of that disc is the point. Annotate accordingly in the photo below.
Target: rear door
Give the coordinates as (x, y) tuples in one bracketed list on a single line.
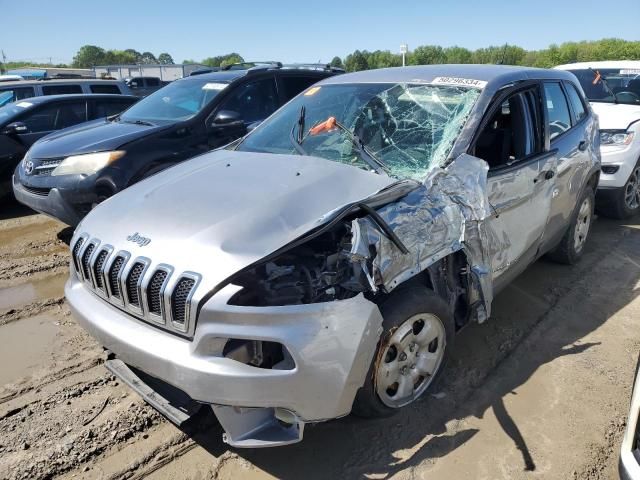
[(520, 179), (566, 122)]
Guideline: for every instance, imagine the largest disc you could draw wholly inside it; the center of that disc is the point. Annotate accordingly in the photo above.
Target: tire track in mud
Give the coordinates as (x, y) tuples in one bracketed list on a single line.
[(31, 309)]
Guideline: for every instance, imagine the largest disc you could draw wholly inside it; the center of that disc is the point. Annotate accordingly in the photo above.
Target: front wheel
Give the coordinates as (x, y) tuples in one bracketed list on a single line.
[(412, 351), (625, 202)]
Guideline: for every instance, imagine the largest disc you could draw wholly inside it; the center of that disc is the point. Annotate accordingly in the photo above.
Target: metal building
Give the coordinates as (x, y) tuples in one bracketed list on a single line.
[(164, 72)]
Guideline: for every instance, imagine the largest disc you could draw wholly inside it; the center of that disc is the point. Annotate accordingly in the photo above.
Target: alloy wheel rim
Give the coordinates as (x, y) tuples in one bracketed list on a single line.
[(410, 360), (632, 190), (583, 223)]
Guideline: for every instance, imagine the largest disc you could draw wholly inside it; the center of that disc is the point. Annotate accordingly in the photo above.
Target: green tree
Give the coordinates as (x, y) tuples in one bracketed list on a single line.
[(337, 62), (427, 55), (148, 58), (457, 55), (356, 61), (165, 59), (137, 56), (89, 56)]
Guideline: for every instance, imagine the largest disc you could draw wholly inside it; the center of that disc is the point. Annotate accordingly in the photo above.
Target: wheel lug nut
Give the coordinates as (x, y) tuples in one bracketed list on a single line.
[(403, 356), (413, 367), (403, 371), (412, 347)]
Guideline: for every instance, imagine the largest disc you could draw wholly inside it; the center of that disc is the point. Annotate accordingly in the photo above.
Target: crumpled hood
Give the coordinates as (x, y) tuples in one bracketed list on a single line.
[(222, 211), (613, 116), (96, 136)]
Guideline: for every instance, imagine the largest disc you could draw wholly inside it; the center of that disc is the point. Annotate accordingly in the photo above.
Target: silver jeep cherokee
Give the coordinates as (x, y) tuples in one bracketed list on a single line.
[(323, 264)]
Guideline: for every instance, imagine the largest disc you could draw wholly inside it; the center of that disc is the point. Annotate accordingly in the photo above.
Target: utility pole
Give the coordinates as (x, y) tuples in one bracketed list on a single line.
[(404, 48), (4, 61)]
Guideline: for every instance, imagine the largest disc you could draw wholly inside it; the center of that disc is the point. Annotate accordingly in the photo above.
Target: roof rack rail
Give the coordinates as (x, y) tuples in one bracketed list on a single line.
[(314, 66), (252, 65)]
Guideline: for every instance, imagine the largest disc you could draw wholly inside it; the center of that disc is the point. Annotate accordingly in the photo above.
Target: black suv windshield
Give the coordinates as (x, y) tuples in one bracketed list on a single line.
[(12, 110), (180, 100), (407, 128), (610, 85)]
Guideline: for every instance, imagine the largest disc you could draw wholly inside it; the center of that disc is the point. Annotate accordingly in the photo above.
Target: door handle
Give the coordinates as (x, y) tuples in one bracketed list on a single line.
[(582, 146)]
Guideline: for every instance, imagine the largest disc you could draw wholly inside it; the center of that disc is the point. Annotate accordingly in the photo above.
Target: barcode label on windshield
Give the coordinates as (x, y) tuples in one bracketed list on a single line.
[(461, 82)]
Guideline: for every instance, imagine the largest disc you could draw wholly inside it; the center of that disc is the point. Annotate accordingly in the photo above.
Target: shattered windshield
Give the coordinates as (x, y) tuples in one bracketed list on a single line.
[(610, 85), (404, 128)]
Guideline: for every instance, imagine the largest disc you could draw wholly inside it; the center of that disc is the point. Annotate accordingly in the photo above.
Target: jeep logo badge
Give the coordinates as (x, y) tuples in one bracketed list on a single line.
[(139, 239), (28, 167)]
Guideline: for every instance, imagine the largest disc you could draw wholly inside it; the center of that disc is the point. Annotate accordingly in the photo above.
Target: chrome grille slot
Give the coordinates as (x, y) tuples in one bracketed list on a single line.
[(179, 299), (76, 251), (133, 294), (97, 268), (86, 257), (114, 274), (154, 292)]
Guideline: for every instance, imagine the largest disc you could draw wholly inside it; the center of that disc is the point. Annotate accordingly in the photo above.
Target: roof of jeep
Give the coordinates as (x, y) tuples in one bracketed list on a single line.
[(494, 75)]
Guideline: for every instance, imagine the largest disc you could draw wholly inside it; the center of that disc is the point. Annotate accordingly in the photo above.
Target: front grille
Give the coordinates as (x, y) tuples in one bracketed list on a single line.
[(76, 250), (97, 269), (132, 284), (45, 167), (179, 299), (135, 286), (154, 292), (114, 272), (42, 192), (86, 256)]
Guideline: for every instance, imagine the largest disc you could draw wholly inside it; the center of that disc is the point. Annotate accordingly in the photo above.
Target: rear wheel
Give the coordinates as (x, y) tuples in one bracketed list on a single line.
[(412, 351), (571, 247)]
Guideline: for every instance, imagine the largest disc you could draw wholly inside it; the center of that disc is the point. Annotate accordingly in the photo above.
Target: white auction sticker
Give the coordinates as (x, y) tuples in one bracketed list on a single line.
[(214, 86), (465, 82), (630, 71), (24, 104)]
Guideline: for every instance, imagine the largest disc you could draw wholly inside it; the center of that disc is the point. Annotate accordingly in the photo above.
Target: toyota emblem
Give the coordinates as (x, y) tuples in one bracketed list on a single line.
[(28, 167)]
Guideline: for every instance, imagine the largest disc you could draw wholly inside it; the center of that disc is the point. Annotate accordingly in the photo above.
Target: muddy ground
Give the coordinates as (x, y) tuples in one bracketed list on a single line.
[(540, 391)]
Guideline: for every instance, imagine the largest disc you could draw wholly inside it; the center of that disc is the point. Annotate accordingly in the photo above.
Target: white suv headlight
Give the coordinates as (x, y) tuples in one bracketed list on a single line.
[(615, 137), (86, 164)]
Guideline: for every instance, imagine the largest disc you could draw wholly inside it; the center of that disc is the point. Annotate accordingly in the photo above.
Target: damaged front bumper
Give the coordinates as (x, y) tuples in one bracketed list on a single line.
[(330, 347)]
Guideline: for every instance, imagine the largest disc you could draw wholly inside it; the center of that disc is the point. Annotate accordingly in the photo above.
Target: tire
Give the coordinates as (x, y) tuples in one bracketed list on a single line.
[(625, 201), (404, 311), (571, 248)]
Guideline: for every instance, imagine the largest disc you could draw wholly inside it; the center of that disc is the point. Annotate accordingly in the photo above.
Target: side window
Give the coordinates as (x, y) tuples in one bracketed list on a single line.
[(557, 110), (576, 102), (153, 82), (254, 101), (55, 117), (513, 132), (293, 85), (15, 94), (105, 88), (106, 108), (136, 83), (61, 89)]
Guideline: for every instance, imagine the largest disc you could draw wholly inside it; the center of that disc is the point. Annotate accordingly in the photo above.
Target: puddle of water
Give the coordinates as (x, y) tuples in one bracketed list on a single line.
[(26, 293), (25, 346)]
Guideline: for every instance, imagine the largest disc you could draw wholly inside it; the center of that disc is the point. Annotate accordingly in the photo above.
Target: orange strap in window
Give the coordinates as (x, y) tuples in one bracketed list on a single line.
[(325, 126)]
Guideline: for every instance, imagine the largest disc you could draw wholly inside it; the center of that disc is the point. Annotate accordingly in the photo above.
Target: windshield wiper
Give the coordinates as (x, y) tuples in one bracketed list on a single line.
[(368, 156), (140, 122), (297, 141), (600, 77)]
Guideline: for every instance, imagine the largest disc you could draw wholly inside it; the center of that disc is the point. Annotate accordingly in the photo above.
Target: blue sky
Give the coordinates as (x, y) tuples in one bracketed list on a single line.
[(300, 31)]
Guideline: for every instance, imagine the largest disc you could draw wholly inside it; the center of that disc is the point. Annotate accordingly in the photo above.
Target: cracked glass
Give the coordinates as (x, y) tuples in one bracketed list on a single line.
[(402, 128)]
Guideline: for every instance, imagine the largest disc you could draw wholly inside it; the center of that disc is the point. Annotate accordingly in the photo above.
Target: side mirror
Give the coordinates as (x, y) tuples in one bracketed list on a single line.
[(227, 118), (15, 128)]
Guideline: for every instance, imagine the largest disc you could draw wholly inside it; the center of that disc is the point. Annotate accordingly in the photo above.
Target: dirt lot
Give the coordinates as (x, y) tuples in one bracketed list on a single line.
[(540, 391)]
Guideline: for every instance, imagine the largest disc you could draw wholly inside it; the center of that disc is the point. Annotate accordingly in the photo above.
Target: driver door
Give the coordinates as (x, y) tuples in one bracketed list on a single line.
[(520, 180)]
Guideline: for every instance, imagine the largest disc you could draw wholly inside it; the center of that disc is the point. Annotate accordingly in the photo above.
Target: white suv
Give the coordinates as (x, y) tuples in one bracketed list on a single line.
[(613, 88)]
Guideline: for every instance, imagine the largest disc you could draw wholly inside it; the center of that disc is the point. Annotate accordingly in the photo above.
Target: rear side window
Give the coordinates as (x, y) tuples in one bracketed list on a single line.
[(253, 101), (106, 108), (56, 116), (293, 85), (105, 89), (557, 110), (15, 94), (153, 82), (61, 89), (576, 102)]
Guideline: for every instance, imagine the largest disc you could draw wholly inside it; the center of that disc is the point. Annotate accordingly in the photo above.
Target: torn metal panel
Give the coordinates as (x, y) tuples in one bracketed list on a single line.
[(445, 214)]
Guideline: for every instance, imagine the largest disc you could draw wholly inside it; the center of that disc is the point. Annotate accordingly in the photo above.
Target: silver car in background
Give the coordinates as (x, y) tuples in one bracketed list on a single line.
[(323, 264)]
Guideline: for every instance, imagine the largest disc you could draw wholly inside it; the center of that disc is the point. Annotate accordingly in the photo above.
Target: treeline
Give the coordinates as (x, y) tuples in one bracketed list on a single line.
[(220, 60), (569, 52), (89, 56)]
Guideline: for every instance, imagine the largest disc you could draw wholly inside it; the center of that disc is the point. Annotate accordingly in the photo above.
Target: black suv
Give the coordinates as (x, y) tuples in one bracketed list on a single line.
[(25, 121), (92, 162)]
